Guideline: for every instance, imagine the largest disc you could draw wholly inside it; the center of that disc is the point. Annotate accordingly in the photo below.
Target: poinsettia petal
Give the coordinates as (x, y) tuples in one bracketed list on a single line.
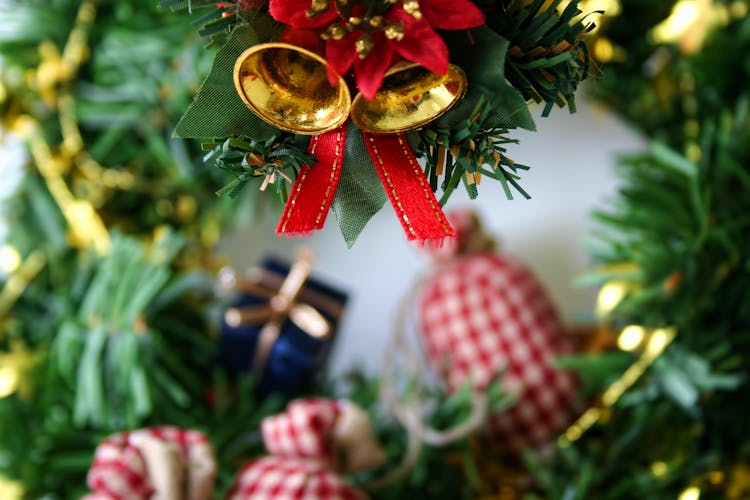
[(452, 14), (292, 12), (307, 39), (420, 43), (340, 55), (369, 72)]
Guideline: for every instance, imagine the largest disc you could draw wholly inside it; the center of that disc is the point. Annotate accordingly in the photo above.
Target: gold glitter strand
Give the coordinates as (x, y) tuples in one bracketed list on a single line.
[(659, 339), (85, 225), (19, 280)]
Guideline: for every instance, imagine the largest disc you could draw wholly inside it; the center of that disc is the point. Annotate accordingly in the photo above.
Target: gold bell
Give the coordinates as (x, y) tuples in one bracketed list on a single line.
[(411, 97), (287, 86)]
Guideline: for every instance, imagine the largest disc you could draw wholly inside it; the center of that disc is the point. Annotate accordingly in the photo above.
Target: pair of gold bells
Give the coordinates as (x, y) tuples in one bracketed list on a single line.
[(287, 86)]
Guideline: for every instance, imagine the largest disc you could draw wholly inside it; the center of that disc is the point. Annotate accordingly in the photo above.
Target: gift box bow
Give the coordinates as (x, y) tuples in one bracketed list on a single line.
[(287, 300)]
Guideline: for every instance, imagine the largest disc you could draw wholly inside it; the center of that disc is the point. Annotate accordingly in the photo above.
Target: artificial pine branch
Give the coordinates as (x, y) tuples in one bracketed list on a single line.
[(447, 472), (548, 56), (216, 24), (677, 222), (120, 108), (277, 160), (454, 152)]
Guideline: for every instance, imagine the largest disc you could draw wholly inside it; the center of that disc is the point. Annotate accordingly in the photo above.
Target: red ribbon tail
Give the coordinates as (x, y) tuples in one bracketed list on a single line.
[(313, 191), (404, 181)]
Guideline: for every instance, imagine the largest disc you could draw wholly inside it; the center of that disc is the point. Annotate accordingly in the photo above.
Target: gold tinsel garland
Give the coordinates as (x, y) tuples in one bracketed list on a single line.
[(51, 80)]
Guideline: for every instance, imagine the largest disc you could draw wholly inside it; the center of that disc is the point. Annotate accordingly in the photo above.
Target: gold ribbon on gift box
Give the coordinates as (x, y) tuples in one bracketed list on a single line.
[(287, 299)]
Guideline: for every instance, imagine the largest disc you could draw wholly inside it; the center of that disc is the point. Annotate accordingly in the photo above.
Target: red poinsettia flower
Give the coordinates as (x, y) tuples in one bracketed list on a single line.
[(293, 13), (420, 43)]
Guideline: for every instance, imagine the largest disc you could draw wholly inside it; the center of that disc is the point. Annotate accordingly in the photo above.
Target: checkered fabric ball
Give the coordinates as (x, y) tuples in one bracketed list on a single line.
[(485, 314), (303, 431), (286, 478), (301, 463), (159, 462)]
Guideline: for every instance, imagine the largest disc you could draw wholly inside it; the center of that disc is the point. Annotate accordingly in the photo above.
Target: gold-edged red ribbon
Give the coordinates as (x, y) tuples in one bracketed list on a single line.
[(282, 304), (404, 181), (313, 191)]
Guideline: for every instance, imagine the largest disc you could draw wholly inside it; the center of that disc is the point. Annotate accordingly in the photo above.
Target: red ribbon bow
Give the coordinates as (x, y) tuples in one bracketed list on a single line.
[(404, 181)]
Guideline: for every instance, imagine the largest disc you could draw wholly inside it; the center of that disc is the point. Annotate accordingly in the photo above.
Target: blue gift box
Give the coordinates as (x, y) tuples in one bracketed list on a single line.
[(295, 356)]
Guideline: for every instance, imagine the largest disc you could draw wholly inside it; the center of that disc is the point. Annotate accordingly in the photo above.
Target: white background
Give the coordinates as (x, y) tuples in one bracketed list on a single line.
[(572, 160)]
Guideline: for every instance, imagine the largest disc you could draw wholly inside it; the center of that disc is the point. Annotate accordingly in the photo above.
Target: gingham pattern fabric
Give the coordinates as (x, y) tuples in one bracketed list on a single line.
[(286, 478), (303, 430), (120, 471), (485, 313), (300, 468)]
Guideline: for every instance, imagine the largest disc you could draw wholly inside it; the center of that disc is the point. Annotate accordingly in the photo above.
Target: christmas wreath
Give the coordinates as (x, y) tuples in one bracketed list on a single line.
[(337, 101)]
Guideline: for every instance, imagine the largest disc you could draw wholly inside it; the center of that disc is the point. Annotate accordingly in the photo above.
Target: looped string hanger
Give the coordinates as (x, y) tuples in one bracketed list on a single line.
[(408, 410)]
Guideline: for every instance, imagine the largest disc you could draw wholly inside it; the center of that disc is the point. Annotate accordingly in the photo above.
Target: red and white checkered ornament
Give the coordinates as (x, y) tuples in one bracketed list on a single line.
[(484, 314), (160, 462), (311, 444)]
